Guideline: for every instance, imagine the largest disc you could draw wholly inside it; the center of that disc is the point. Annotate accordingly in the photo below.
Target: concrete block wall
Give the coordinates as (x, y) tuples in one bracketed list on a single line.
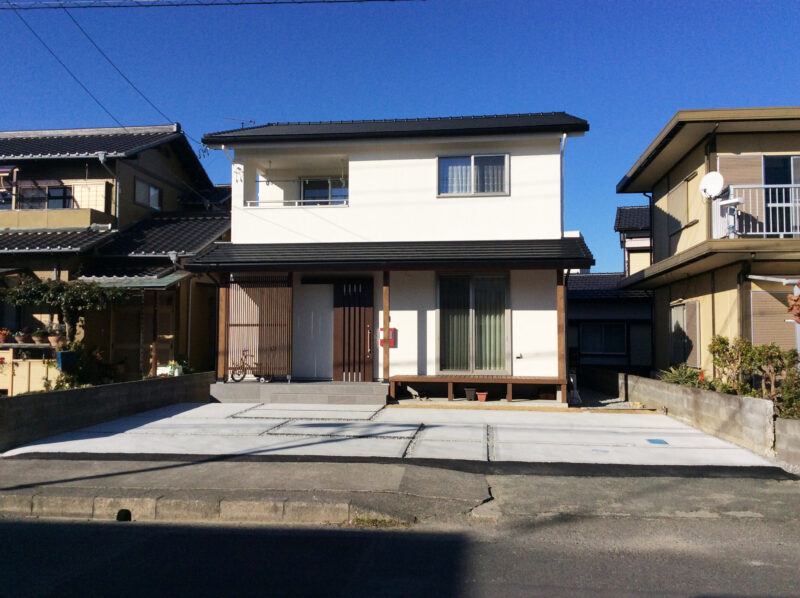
[(25, 418), (745, 421), (787, 440)]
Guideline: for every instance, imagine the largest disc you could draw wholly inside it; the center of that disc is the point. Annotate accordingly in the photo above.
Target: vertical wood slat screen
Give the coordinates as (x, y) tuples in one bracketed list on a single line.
[(769, 314), (260, 320), (352, 321)]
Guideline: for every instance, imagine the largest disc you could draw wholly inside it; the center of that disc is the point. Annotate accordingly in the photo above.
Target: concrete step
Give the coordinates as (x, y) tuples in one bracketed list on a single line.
[(341, 393)]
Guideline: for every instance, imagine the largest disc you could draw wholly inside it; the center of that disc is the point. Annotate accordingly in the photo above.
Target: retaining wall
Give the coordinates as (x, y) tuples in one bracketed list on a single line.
[(747, 421), (25, 418)]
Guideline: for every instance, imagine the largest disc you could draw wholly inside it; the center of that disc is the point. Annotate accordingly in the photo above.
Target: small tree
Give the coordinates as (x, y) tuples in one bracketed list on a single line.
[(70, 299), (733, 360), (772, 362)]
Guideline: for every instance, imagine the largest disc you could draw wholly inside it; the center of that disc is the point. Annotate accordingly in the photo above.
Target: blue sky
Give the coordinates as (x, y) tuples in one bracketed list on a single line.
[(626, 67)]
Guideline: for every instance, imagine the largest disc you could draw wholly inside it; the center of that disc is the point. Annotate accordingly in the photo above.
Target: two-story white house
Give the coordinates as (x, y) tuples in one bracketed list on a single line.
[(404, 251)]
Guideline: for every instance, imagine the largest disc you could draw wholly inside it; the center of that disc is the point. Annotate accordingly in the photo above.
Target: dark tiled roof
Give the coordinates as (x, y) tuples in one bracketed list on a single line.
[(79, 143), (632, 218), (413, 127), (52, 240), (600, 286), (542, 253), (127, 268), (185, 233)]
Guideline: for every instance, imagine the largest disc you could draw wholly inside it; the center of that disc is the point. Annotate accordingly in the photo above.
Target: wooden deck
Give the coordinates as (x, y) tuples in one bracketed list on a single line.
[(450, 380)]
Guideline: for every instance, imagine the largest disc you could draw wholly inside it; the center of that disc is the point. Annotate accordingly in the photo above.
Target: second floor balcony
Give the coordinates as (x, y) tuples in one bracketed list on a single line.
[(757, 211)]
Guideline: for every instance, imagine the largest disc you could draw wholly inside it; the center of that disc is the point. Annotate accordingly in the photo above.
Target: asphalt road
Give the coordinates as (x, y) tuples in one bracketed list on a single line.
[(556, 556)]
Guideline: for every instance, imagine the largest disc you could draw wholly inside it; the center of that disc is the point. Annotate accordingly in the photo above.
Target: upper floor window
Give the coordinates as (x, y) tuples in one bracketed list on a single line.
[(40, 198), (473, 175), (324, 192), (147, 195)]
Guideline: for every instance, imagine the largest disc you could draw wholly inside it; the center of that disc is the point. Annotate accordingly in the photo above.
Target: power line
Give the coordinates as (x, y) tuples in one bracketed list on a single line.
[(121, 74), (66, 68), (56, 4)]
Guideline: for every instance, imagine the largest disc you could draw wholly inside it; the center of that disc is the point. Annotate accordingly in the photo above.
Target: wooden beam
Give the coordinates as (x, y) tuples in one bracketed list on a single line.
[(222, 330), (386, 321), (561, 309)]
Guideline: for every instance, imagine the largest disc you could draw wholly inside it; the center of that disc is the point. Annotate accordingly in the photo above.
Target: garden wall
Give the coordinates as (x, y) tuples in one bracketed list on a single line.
[(25, 418), (746, 421)]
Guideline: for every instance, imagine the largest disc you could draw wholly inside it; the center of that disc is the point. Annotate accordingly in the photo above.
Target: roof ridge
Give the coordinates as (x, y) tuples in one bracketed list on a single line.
[(91, 131), (391, 120)]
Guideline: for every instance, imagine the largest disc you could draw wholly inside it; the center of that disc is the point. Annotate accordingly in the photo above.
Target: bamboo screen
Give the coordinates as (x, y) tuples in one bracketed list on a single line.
[(260, 321)]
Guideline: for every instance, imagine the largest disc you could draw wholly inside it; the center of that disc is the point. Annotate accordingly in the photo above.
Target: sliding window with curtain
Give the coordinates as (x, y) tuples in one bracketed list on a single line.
[(472, 332), (473, 175)]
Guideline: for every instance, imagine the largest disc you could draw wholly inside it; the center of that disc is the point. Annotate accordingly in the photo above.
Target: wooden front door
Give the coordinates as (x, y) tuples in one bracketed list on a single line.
[(352, 330)]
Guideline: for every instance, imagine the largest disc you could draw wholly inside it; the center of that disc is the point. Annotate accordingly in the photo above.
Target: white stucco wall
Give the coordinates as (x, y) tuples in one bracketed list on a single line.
[(534, 323), (393, 193)]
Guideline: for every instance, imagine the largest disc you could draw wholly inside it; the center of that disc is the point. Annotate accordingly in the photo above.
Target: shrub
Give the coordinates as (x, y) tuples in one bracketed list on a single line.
[(682, 374)]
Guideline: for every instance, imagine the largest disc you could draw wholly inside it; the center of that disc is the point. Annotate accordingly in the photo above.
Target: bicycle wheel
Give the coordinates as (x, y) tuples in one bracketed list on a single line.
[(238, 374)]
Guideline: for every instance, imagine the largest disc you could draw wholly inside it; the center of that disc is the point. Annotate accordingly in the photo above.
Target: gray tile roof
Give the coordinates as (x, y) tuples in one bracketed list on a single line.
[(601, 285), (185, 233), (411, 127), (632, 218), (126, 268), (116, 142), (52, 240), (570, 252)]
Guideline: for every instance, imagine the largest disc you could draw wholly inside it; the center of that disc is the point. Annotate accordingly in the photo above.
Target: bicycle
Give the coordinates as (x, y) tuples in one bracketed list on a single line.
[(246, 365)]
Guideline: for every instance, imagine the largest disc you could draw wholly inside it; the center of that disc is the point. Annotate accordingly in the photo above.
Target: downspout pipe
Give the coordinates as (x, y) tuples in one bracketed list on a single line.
[(102, 157), (561, 147)]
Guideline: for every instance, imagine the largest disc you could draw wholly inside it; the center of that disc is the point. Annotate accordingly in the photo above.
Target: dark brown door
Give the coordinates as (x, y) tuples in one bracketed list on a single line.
[(352, 330)]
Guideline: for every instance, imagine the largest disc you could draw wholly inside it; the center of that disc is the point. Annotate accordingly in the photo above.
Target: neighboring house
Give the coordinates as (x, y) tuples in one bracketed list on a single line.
[(722, 265), (172, 312), (633, 225), (445, 232), (609, 326), (66, 194)]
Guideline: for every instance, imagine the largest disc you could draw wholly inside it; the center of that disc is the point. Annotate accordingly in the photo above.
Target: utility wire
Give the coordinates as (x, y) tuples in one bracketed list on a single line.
[(66, 68), (56, 4), (121, 74)]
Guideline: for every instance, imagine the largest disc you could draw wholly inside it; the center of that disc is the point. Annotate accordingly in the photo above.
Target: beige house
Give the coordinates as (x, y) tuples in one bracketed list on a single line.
[(121, 206), (721, 264)]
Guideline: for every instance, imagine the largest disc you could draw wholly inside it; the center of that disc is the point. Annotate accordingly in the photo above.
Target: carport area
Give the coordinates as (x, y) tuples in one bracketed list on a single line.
[(400, 433)]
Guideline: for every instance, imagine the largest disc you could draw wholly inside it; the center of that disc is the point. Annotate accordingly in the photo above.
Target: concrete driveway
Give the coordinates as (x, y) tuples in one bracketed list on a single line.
[(393, 432)]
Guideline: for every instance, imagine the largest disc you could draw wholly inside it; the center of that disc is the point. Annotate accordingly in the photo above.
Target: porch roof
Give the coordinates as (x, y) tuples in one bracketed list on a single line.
[(568, 252)]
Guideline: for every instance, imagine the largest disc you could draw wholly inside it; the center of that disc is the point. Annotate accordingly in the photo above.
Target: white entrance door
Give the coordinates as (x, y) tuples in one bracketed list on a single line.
[(312, 332)]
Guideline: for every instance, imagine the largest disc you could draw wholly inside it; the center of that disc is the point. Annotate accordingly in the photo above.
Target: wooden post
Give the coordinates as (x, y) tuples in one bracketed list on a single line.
[(386, 321), (222, 330), (562, 329), (154, 346)]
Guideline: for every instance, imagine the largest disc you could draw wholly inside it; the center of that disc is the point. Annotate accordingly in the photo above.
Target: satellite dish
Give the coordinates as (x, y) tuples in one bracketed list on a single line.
[(711, 185)]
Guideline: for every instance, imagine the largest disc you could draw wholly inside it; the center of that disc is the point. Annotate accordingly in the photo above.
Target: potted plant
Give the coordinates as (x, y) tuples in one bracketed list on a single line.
[(55, 335), (40, 336), (6, 336), (23, 335)]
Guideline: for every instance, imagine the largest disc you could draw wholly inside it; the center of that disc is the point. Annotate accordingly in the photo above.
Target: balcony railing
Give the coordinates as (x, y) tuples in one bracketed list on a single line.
[(766, 211)]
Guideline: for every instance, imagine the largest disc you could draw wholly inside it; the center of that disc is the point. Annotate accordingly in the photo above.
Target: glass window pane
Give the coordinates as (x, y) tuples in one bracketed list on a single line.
[(155, 197), (339, 192), (455, 175), (490, 174), (316, 192), (490, 328), (142, 194), (32, 198), (454, 329)]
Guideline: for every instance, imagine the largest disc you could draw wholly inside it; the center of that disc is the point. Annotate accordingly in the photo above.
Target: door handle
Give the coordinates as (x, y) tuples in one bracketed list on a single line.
[(369, 341)]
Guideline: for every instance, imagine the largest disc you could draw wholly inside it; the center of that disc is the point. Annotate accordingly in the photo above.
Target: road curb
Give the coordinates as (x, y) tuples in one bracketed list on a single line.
[(208, 509)]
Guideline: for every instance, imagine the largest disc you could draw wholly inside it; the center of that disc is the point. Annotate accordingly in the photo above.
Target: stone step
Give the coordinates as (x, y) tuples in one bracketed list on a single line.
[(324, 393), (334, 388)]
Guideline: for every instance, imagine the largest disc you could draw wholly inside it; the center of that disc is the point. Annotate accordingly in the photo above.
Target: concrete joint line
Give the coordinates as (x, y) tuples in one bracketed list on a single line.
[(268, 431), (374, 436), (374, 415), (238, 414), (412, 441), (489, 442)]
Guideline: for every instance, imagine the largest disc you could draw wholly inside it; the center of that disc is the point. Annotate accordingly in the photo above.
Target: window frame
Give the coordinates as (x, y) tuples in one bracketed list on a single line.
[(472, 327), (149, 205), (473, 174), (331, 201), (621, 324)]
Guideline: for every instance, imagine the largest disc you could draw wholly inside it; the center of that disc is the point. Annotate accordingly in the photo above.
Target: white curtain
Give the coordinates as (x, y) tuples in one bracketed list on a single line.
[(455, 175)]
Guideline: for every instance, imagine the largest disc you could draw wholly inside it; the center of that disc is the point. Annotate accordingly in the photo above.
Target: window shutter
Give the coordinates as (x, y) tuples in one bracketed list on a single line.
[(692, 349), (741, 170), (769, 315)]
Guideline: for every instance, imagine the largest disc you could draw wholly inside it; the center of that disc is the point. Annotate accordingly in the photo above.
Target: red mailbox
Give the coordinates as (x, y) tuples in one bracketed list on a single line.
[(392, 337)]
